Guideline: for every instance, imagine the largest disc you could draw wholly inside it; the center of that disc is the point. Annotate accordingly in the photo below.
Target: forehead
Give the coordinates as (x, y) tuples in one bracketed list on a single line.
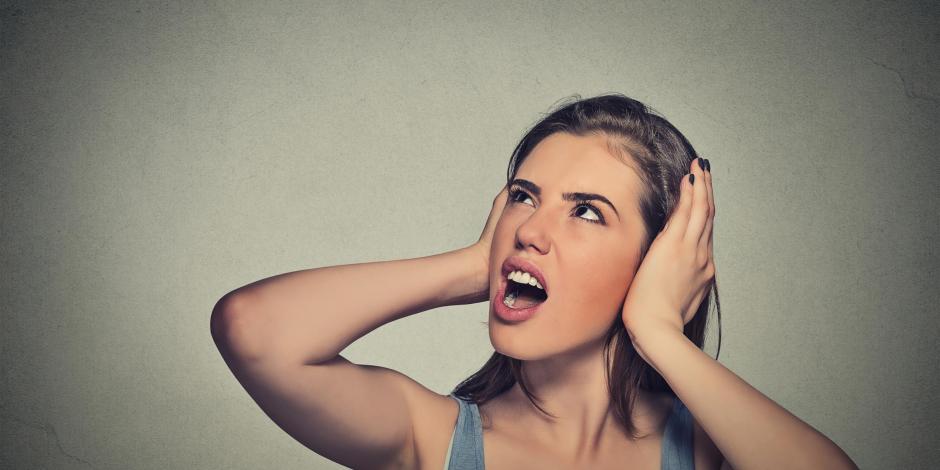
[(565, 162)]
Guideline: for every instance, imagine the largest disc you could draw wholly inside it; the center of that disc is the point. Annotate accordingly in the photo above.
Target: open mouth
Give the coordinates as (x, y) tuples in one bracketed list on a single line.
[(519, 296)]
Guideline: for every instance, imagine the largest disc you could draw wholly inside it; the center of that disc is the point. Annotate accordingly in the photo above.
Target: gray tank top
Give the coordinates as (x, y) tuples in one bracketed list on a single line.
[(466, 443)]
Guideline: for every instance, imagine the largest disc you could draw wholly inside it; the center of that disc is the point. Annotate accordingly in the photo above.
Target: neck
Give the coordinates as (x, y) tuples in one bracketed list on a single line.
[(573, 387)]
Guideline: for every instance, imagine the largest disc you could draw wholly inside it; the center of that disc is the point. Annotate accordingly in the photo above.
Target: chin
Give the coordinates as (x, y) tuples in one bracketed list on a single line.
[(517, 352), (533, 343), (510, 341)]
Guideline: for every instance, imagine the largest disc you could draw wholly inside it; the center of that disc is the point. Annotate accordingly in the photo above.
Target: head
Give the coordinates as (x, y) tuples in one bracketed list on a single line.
[(585, 250), (630, 160)]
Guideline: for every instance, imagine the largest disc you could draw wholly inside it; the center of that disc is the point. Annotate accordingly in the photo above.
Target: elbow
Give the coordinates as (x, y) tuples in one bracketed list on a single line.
[(232, 326)]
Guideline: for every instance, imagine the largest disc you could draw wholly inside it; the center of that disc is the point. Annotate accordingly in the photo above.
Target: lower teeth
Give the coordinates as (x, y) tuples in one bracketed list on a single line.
[(510, 299)]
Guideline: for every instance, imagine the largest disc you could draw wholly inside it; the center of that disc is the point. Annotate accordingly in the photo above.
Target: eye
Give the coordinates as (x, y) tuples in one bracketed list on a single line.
[(514, 198), (597, 213), (514, 193)]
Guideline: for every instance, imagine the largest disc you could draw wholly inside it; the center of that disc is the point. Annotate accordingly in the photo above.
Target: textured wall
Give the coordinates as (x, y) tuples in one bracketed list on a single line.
[(156, 155)]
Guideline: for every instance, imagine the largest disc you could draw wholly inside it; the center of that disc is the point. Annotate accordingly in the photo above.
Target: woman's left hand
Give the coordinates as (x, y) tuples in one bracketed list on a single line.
[(679, 267)]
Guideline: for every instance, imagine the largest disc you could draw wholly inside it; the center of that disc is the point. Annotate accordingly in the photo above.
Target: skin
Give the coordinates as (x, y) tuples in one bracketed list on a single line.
[(592, 275), (588, 267), (282, 336)]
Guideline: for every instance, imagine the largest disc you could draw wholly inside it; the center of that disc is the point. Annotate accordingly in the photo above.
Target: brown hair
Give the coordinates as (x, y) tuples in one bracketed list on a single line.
[(661, 155)]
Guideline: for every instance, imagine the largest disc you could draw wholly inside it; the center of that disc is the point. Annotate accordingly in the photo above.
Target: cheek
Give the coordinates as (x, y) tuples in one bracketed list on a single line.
[(587, 311), (603, 295)]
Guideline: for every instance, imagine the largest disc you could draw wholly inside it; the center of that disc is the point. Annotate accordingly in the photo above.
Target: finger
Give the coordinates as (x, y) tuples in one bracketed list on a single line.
[(502, 196), (705, 243), (699, 209), (677, 222), (711, 189)]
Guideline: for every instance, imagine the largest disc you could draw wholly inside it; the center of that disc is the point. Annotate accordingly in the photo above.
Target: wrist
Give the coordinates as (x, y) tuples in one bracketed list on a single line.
[(470, 277), (652, 342)]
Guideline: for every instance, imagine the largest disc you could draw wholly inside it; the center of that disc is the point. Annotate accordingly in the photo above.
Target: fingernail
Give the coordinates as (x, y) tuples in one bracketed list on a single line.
[(691, 178), (701, 163), (708, 165)]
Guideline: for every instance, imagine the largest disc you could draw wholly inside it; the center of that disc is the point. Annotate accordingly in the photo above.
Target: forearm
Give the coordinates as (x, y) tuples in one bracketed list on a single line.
[(310, 316), (750, 429)]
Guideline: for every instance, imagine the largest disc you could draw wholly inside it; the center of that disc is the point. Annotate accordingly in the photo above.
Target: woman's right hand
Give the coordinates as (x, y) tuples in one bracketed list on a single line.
[(481, 249)]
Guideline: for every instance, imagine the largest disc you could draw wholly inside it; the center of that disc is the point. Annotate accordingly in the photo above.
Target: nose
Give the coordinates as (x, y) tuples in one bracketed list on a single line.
[(534, 232)]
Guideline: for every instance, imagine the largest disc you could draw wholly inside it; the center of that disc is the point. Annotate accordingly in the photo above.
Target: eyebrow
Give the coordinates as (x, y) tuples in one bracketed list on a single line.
[(575, 196)]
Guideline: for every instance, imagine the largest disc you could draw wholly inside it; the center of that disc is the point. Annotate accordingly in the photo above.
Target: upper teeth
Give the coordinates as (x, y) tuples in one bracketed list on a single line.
[(523, 277)]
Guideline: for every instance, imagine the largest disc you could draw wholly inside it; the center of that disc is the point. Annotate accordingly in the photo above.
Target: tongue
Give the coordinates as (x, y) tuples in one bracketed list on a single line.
[(527, 296), (525, 301)]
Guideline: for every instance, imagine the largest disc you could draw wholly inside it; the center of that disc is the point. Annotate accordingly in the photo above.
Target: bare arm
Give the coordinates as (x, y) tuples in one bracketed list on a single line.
[(282, 336), (750, 429), (310, 316)]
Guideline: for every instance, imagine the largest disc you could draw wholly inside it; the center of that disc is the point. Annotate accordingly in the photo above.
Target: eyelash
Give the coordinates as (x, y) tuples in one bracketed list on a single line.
[(515, 192)]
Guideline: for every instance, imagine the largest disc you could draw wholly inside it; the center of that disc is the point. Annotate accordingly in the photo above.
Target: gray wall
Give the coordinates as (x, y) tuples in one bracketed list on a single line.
[(156, 155)]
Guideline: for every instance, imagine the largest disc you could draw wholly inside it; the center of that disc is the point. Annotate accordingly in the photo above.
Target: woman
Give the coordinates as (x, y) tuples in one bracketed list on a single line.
[(596, 260)]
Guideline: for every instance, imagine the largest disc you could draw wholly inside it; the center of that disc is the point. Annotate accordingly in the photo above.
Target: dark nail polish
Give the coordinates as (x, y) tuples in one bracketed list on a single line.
[(691, 178), (708, 165), (701, 163)]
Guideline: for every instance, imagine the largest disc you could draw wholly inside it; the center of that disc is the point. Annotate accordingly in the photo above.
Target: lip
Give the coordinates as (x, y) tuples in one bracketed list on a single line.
[(512, 315), (513, 263)]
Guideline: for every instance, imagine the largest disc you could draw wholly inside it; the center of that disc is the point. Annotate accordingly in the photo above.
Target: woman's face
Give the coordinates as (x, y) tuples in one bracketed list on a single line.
[(587, 255)]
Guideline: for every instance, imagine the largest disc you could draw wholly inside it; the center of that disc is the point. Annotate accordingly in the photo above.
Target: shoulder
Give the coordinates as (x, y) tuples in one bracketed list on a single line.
[(707, 454)]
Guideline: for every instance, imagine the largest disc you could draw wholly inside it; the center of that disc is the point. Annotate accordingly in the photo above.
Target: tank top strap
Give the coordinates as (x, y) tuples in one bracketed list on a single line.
[(466, 452), (677, 453)]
